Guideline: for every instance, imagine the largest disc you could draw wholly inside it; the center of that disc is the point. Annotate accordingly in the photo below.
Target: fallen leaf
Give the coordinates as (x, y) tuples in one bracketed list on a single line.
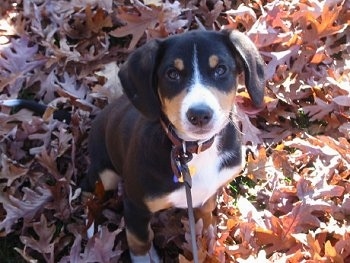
[(18, 59), (27, 207), (137, 21)]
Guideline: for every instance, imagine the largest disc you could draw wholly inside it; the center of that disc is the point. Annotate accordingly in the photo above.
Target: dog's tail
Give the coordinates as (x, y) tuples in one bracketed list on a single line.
[(37, 108)]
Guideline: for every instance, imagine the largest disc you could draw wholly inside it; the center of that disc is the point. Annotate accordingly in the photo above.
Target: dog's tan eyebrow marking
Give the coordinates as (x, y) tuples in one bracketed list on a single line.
[(213, 61), (179, 64)]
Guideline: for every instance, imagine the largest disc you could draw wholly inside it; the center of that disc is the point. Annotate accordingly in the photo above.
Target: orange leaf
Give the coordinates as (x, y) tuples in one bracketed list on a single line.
[(329, 249), (318, 58), (231, 223), (332, 253), (273, 241)]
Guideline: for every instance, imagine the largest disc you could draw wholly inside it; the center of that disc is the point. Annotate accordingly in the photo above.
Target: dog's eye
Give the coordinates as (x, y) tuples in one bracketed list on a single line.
[(220, 70), (173, 74)]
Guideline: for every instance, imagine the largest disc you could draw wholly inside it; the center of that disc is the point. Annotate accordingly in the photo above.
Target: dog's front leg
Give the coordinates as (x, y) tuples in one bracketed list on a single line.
[(139, 234), (205, 212)]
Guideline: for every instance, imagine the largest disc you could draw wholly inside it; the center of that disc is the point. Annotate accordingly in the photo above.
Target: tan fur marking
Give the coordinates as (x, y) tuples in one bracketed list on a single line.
[(205, 212), (157, 204), (109, 179), (137, 246), (226, 100), (171, 108), (179, 64), (213, 61)]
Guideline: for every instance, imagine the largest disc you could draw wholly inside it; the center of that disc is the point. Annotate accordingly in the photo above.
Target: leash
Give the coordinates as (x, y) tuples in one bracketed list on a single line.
[(181, 162)]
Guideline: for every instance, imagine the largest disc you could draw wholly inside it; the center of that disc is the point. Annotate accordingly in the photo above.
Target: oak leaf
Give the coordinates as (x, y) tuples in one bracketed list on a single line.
[(304, 216), (17, 59), (137, 21), (99, 248), (98, 20), (11, 171), (32, 202), (45, 244)]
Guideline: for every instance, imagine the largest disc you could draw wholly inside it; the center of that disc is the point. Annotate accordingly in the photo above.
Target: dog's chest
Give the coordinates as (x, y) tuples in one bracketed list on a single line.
[(208, 176)]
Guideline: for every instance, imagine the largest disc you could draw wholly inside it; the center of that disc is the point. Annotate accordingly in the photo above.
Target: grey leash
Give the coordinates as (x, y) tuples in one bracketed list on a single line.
[(191, 218)]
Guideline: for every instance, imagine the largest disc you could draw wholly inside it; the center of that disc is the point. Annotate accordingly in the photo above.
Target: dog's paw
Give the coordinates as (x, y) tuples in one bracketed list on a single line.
[(150, 257)]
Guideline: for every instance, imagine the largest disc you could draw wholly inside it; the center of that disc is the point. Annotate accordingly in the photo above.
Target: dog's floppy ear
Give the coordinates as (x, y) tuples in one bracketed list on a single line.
[(138, 82), (252, 63)]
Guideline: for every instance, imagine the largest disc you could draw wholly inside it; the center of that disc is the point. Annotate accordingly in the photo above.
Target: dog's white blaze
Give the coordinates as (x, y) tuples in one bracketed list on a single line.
[(207, 178), (200, 94), (196, 73)]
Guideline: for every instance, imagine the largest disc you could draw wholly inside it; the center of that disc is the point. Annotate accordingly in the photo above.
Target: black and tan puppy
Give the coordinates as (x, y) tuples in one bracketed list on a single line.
[(183, 85)]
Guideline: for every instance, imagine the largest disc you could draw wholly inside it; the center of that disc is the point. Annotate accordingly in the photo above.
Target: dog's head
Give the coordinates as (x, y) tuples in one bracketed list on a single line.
[(191, 78)]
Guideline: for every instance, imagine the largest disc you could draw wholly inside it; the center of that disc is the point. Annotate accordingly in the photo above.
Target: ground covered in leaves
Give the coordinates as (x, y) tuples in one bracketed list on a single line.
[(291, 203)]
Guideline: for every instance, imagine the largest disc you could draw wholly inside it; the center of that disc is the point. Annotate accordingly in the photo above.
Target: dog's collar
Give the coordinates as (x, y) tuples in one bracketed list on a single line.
[(190, 146), (182, 151)]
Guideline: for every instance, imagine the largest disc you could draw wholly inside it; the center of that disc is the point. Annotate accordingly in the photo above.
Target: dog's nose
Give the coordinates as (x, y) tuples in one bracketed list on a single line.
[(199, 115)]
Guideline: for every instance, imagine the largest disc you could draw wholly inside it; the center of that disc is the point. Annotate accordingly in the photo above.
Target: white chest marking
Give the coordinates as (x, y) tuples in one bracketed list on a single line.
[(206, 180)]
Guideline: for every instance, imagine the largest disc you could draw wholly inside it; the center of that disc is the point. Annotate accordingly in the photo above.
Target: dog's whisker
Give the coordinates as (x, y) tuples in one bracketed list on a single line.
[(234, 120)]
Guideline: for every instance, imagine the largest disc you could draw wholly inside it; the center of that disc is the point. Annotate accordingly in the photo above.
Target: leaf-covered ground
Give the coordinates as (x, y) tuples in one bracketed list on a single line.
[(291, 203)]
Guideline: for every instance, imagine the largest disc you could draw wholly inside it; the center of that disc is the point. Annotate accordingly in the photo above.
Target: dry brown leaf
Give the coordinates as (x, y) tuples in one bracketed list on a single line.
[(273, 241), (45, 244), (98, 20), (26, 207), (11, 171), (256, 164), (304, 216), (137, 21)]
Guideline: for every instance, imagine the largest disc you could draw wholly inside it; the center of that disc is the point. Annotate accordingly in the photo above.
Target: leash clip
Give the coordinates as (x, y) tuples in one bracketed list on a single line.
[(185, 157), (179, 159)]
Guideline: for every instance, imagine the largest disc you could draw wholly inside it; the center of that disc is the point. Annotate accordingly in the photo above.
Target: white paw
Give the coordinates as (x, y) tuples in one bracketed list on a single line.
[(150, 257)]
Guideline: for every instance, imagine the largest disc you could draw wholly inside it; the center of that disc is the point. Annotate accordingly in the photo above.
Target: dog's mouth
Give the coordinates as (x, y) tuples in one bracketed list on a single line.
[(201, 133), (196, 136)]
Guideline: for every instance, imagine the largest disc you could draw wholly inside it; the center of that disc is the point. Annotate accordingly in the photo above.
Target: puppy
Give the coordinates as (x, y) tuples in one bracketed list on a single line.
[(179, 91)]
